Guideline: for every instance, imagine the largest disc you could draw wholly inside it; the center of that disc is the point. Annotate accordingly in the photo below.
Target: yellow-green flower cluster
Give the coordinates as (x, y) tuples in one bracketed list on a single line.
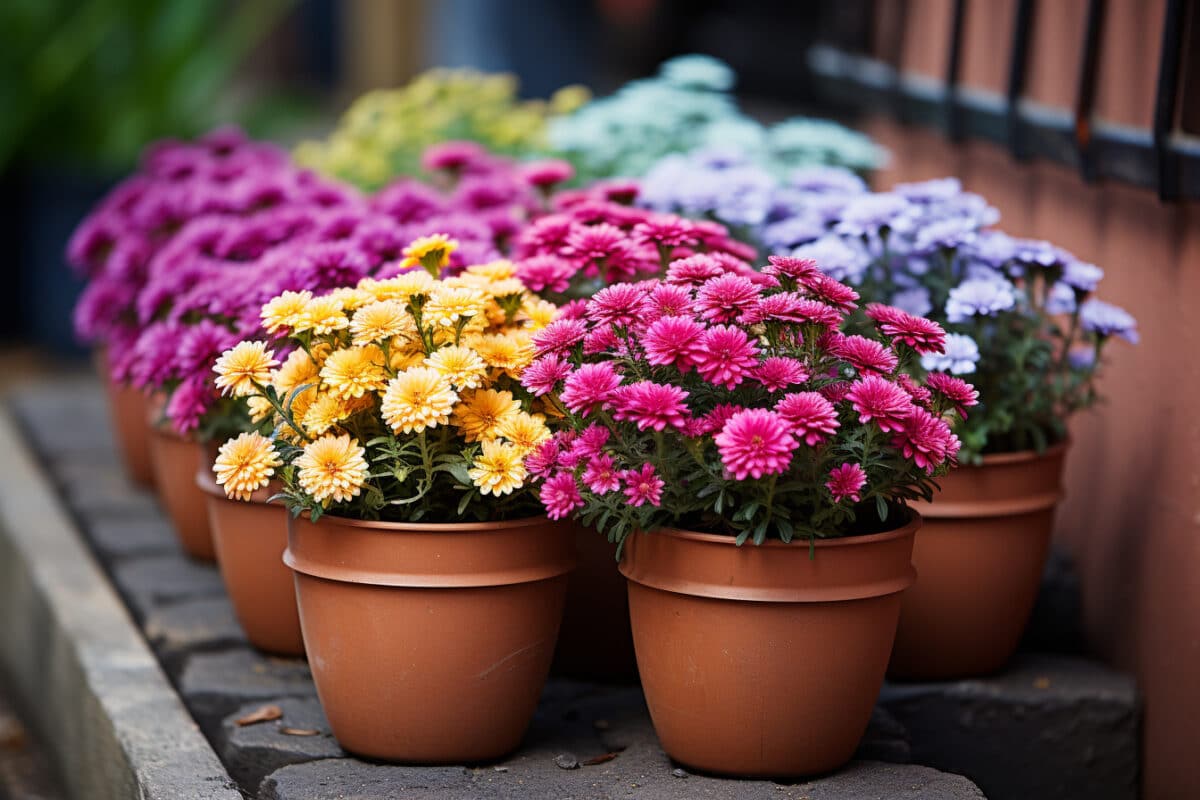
[(384, 132)]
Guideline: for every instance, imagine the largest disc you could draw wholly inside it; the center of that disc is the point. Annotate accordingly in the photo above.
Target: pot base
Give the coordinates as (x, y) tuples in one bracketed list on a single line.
[(176, 462)]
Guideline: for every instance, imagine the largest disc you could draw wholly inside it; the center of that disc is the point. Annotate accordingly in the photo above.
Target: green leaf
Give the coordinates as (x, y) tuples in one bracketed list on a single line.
[(881, 507)]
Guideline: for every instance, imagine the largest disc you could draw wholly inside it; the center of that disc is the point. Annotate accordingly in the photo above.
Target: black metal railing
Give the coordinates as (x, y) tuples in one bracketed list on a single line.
[(1162, 157)]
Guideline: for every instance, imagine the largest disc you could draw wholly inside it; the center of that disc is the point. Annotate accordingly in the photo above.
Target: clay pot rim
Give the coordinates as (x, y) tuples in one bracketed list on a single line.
[(911, 525), (382, 526), (1020, 456)]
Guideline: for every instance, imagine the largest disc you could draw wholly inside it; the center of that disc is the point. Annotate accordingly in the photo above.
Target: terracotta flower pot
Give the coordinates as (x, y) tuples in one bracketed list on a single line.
[(979, 560), (176, 461), (249, 539), (429, 643), (128, 409), (595, 642), (759, 661)]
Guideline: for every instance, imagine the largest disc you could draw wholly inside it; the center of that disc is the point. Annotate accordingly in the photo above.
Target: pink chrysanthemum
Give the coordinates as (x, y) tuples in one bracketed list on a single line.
[(560, 495), (543, 375), (726, 298), (650, 405), (798, 269), (846, 482), (669, 300), (694, 269), (601, 475), (455, 156), (755, 442), (925, 439), (812, 417), (833, 292), (836, 392), (665, 230), (922, 335), (673, 340), (865, 355), (590, 387), (643, 486), (544, 174), (879, 399), (594, 242), (591, 441), (575, 309), (543, 460), (795, 308), (726, 355), (546, 273), (961, 394), (559, 336), (779, 372), (619, 304), (919, 394)]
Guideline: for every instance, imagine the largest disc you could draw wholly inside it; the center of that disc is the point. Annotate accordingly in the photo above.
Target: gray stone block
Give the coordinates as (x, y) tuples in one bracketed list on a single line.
[(1056, 624), (214, 685), (127, 536), (66, 419), (346, 779), (151, 582), (1050, 726), (192, 626), (92, 491), (251, 752)]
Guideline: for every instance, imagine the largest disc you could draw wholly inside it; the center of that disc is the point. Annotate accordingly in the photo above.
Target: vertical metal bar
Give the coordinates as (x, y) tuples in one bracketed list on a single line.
[(953, 64), (1086, 98), (1166, 98), (1017, 69)]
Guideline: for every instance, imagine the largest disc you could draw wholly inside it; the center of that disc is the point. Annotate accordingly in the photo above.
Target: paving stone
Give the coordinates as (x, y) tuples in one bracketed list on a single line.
[(130, 536), (346, 779), (66, 418), (192, 626), (90, 490), (154, 581), (251, 752), (1071, 725), (214, 685)]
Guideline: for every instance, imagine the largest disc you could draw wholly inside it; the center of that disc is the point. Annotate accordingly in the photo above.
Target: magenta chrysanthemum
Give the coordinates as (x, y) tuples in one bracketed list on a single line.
[(590, 387), (878, 399), (865, 355), (665, 230), (798, 269), (922, 335), (669, 300), (643, 486), (601, 475), (726, 298), (650, 405), (961, 394), (560, 496), (543, 460), (673, 340), (591, 441), (920, 395), (595, 242), (812, 417), (543, 375), (694, 269), (846, 482), (559, 336), (619, 304), (546, 273), (925, 439), (779, 372), (831, 291), (543, 174), (755, 442), (726, 356)]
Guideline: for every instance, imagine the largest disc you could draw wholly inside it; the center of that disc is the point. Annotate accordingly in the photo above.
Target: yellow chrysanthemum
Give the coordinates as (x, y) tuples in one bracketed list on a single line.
[(297, 370), (494, 270), (285, 311), (499, 469), (322, 315), (416, 399), (332, 468), (511, 351), (351, 298), (240, 367), (351, 372), (399, 288), (260, 408), (326, 411), (447, 305), (411, 354), (483, 411), (505, 288), (380, 320), (245, 464), (460, 365), (525, 431), (538, 312), (432, 252)]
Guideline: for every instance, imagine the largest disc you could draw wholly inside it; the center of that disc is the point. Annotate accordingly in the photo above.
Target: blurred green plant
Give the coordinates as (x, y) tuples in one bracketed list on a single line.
[(93, 80)]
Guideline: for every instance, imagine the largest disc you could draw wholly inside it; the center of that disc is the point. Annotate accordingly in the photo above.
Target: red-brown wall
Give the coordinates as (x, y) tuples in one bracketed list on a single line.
[(1132, 516)]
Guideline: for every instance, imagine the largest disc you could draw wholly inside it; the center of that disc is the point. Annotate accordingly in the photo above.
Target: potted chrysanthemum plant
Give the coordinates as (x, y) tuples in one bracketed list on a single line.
[(1024, 326), (418, 544), (753, 463)]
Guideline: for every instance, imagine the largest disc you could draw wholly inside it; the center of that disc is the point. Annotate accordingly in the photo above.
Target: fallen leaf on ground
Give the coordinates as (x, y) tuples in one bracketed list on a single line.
[(261, 714), (299, 731), (591, 762), (1041, 683)]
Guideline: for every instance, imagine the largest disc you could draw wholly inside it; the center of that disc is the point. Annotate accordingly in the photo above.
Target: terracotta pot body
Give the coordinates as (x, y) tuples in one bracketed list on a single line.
[(128, 410), (595, 643), (249, 539), (176, 461), (979, 560), (759, 661), (429, 643)]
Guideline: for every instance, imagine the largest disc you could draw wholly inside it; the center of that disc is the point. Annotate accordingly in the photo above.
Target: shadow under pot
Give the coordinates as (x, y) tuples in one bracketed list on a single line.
[(128, 410), (428, 643), (761, 661), (176, 461), (249, 539), (979, 559)]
